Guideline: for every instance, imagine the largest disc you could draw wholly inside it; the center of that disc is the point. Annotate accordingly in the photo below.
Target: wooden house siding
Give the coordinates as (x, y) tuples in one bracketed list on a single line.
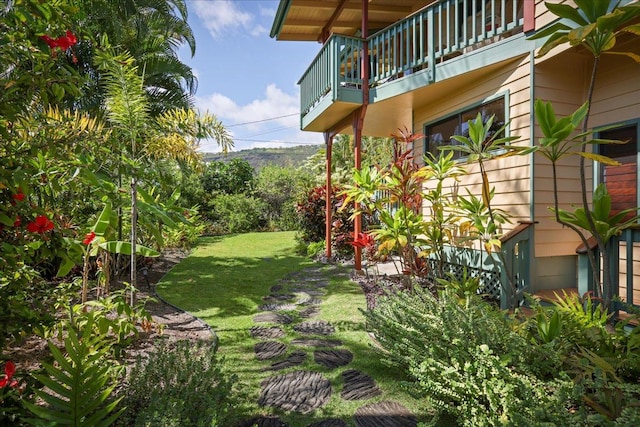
[(566, 91), (509, 176), (617, 91)]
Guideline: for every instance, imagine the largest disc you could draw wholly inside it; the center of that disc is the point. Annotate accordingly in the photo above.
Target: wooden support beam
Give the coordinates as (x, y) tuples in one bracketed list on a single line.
[(328, 140)]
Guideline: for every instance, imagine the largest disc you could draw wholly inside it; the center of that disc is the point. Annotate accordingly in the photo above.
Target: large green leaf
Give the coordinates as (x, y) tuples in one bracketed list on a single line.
[(567, 12), (120, 247), (599, 158), (102, 225), (76, 392)]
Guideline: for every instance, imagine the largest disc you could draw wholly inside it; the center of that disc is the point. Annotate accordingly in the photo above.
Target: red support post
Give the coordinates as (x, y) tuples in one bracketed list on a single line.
[(328, 140), (529, 16)]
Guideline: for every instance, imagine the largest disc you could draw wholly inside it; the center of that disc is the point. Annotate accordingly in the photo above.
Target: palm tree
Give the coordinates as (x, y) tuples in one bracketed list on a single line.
[(172, 135), (151, 31)]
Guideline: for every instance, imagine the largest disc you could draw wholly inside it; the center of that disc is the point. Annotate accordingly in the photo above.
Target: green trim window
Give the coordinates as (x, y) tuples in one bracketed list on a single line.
[(440, 133), (622, 180)]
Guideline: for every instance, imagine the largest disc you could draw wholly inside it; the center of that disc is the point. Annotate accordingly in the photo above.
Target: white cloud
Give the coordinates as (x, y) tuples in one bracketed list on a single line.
[(272, 120), (220, 17)]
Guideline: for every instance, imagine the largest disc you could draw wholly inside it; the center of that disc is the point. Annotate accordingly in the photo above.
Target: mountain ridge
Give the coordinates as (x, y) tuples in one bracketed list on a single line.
[(259, 157)]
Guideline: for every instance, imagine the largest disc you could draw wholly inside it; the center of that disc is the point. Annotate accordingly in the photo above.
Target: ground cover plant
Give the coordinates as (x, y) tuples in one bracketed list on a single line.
[(224, 282)]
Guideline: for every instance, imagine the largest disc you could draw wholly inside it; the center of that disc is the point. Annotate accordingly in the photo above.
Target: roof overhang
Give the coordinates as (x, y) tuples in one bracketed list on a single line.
[(314, 20)]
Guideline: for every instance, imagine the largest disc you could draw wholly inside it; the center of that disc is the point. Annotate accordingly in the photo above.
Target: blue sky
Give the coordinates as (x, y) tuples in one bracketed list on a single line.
[(245, 76)]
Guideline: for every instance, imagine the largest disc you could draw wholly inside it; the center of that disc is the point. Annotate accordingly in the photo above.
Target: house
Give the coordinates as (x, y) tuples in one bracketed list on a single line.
[(430, 66)]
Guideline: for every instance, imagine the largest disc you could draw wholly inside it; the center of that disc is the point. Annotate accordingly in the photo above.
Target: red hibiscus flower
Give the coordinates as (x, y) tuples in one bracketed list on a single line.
[(17, 222), (62, 42), (18, 197), (89, 238), (42, 224), (49, 41), (9, 370)]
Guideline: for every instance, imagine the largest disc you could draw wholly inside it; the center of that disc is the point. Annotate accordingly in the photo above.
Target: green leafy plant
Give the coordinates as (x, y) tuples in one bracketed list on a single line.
[(548, 325), (487, 142), (80, 382), (393, 194), (442, 224), (468, 360), (594, 25), (180, 384), (462, 287)]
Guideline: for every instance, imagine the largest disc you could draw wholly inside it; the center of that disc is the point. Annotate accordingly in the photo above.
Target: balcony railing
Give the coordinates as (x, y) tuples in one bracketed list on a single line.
[(433, 35)]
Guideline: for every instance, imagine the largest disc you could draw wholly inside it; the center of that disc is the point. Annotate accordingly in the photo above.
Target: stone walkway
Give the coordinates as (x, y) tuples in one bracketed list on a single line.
[(299, 296)]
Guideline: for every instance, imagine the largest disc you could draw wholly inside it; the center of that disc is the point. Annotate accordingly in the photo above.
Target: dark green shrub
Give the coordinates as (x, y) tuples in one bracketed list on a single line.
[(316, 248), (466, 358), (311, 217), (238, 213), (179, 385)]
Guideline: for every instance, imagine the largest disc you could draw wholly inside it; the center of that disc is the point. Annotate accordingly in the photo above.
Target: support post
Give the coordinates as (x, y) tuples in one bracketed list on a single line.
[(358, 122), (357, 221), (328, 140), (529, 16)]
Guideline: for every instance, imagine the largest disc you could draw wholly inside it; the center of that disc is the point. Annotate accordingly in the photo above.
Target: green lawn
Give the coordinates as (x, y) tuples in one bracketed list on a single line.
[(223, 282)]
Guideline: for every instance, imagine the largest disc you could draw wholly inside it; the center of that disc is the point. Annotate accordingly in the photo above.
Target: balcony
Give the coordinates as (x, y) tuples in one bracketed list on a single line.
[(413, 49)]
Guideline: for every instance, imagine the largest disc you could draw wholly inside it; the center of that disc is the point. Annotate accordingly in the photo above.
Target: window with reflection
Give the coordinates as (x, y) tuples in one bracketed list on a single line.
[(622, 180), (441, 132)]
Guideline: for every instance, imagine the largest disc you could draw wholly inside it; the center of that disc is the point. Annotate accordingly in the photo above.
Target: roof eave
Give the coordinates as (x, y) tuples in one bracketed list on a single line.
[(281, 14)]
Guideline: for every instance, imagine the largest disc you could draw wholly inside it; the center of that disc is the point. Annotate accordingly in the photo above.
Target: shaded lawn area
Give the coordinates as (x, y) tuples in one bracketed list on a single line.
[(224, 281)]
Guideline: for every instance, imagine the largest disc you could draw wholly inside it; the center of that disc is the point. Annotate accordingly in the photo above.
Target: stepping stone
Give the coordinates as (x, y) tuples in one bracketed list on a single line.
[(269, 350), (311, 311), (275, 288), (264, 332), (311, 301), (271, 317), (332, 358), (294, 359), (329, 423), (264, 422), (315, 342), (358, 385), (300, 391), (312, 293), (315, 327), (277, 307), (278, 297), (384, 414)]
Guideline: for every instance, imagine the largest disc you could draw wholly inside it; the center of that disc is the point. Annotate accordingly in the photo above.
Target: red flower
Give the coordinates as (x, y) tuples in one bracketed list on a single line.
[(17, 222), (18, 197), (9, 370), (63, 42), (363, 240), (89, 238), (51, 42), (42, 224)]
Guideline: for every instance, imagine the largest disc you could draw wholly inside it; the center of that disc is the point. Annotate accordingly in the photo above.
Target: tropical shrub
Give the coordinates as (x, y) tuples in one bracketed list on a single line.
[(179, 384), (238, 213), (78, 386), (280, 187), (467, 358), (311, 217)]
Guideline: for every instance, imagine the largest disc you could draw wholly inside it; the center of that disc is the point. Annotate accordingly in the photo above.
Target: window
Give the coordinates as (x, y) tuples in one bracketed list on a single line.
[(621, 181), (440, 133)]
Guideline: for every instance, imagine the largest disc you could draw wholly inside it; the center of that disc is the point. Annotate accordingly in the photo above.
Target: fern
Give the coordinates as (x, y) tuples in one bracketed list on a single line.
[(79, 384)]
